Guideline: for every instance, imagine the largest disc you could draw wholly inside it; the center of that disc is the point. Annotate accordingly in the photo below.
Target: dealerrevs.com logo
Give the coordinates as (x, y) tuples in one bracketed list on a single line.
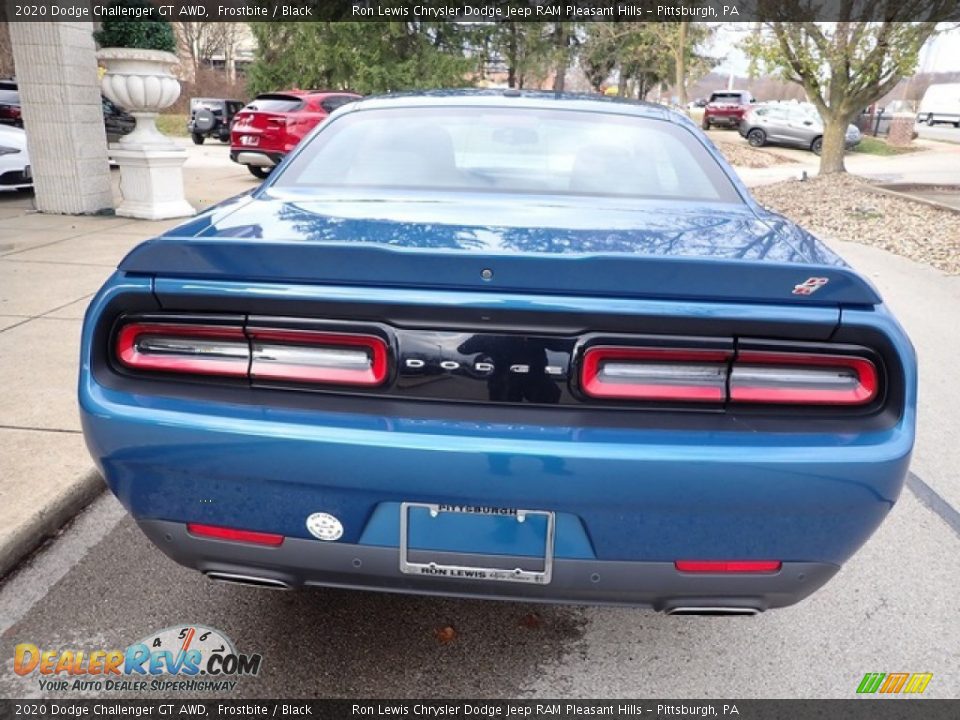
[(186, 658)]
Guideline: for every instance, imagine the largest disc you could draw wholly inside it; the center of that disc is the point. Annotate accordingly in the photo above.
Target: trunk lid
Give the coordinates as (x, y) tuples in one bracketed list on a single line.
[(583, 246)]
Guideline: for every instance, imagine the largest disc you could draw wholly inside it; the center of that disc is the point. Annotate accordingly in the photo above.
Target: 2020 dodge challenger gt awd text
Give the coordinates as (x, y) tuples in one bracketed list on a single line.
[(510, 345)]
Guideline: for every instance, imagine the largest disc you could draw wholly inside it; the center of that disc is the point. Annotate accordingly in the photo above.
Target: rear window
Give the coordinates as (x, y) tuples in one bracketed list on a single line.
[(275, 103), (330, 104), (510, 151), (728, 97)]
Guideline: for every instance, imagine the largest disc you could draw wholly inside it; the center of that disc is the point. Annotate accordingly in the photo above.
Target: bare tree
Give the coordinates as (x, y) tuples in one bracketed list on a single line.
[(201, 40), (847, 65)]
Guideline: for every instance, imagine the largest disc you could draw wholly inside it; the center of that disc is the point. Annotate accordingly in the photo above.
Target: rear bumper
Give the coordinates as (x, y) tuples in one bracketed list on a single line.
[(257, 158), (656, 585), (628, 503), (731, 119), (15, 180)]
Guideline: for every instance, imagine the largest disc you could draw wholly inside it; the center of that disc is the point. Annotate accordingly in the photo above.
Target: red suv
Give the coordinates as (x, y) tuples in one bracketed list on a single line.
[(726, 108), (272, 125)]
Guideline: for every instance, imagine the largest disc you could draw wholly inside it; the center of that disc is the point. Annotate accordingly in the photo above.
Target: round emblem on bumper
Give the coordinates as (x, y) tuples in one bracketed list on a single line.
[(324, 526)]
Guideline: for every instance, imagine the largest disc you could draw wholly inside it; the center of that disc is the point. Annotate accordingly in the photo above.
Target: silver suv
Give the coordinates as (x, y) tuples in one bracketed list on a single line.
[(795, 124)]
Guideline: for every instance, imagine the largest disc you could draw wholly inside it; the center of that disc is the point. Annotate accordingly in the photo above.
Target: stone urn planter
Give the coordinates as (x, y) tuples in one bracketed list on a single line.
[(151, 164)]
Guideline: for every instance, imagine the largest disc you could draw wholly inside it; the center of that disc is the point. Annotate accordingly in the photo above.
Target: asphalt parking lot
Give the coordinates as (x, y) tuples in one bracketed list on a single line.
[(893, 608)]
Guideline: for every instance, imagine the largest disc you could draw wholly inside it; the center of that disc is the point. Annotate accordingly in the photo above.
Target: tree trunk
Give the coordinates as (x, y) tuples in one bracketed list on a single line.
[(563, 57), (681, 63), (834, 134), (512, 57), (622, 84)]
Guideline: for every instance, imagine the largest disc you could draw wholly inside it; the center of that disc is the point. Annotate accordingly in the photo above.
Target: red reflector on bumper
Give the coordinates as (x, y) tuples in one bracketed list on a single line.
[(728, 566), (245, 536)]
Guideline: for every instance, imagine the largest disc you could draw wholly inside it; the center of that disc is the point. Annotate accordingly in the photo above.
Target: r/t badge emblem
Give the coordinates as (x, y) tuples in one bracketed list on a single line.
[(810, 286)]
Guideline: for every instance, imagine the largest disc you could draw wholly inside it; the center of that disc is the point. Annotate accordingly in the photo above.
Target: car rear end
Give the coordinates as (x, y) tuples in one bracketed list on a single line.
[(533, 402), (259, 135), (726, 109), (272, 125), (10, 111)]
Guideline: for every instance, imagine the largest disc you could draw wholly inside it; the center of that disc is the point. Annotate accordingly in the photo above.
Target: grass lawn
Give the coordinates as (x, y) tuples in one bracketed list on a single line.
[(875, 146), (172, 125)]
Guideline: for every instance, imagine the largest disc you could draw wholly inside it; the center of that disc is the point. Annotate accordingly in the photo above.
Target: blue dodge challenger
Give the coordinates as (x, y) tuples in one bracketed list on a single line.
[(506, 345)]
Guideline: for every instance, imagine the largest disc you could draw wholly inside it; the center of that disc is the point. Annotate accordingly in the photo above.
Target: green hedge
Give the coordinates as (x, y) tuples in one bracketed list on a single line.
[(146, 34)]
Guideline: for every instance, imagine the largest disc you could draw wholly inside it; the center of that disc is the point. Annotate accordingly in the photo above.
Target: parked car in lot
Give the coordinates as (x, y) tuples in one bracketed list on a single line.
[(790, 124), (15, 172), (272, 125), (501, 344), (726, 108), (116, 121), (212, 118), (10, 104)]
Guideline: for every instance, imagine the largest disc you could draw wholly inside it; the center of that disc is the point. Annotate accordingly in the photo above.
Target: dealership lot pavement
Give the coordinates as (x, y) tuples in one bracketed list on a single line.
[(101, 584)]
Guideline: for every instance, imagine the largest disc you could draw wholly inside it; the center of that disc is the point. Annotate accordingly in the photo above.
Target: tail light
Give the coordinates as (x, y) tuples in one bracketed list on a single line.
[(318, 357), (717, 376), (728, 566), (299, 356), (181, 348), (252, 537), (655, 374), (801, 378)]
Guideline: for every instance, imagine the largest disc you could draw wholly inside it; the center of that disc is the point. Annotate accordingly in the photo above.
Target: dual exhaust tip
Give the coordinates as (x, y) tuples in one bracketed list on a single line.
[(712, 611), (249, 580)]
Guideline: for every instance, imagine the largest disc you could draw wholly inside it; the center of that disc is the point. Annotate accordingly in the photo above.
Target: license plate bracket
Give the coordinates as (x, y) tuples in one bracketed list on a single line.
[(477, 572)]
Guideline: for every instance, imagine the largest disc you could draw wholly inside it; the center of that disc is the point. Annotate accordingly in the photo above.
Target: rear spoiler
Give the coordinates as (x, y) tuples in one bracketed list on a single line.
[(606, 275)]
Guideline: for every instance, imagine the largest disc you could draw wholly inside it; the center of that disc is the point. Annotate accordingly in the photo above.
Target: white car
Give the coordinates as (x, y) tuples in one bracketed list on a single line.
[(14, 159)]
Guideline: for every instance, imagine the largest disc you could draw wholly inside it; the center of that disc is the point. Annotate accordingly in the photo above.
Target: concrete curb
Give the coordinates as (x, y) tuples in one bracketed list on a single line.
[(47, 521), (879, 188)]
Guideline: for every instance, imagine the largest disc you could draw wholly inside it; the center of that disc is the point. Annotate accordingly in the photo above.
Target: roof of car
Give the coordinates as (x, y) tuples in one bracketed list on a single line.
[(519, 98), (305, 93)]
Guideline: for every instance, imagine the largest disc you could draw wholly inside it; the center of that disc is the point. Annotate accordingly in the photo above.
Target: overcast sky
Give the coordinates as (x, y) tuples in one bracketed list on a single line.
[(942, 54)]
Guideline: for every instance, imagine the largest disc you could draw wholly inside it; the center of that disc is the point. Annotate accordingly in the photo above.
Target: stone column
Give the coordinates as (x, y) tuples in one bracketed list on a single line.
[(60, 93)]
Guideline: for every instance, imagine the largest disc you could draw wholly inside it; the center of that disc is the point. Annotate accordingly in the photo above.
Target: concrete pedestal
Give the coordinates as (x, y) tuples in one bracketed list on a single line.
[(151, 182)]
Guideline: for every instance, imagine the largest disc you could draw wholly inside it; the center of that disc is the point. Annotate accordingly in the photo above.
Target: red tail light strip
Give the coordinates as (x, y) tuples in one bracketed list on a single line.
[(301, 356), (728, 566), (318, 357), (799, 378), (180, 348), (655, 374), (233, 535), (690, 375)]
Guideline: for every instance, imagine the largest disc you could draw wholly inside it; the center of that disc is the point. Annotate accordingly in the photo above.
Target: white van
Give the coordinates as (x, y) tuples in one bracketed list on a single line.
[(940, 104)]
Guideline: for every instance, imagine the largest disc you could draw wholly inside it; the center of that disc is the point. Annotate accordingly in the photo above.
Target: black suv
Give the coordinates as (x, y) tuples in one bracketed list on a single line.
[(116, 122), (212, 117)]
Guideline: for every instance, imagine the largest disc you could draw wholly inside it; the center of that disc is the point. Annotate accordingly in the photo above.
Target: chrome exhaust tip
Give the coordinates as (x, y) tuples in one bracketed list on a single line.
[(248, 580), (712, 611)]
